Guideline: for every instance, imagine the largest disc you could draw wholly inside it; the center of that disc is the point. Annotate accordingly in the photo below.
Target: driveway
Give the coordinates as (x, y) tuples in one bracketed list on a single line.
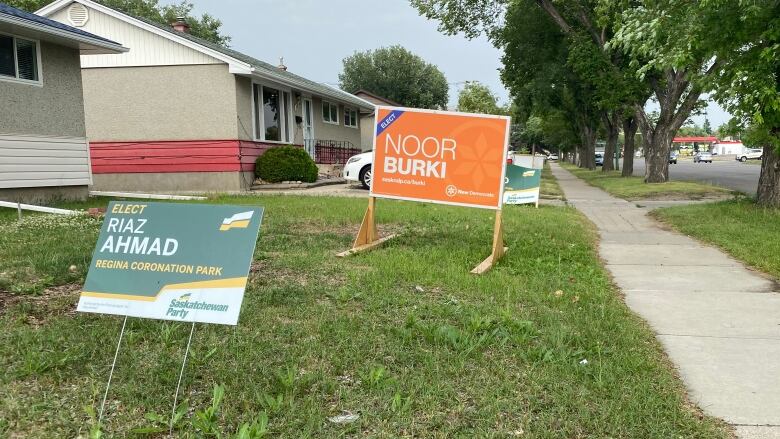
[(742, 177)]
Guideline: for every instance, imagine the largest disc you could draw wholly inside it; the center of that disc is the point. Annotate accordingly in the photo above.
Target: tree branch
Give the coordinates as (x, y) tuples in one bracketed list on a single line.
[(642, 120), (585, 20), (552, 11)]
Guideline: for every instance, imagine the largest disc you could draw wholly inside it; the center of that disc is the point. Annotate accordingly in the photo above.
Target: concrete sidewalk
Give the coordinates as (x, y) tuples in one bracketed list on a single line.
[(718, 321)]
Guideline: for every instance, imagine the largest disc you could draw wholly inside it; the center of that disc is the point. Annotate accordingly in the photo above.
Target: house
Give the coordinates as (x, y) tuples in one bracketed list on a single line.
[(43, 145), (367, 120), (177, 113)]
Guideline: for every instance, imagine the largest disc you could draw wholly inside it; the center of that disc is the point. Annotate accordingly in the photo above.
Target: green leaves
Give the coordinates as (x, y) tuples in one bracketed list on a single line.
[(396, 74), (477, 98)]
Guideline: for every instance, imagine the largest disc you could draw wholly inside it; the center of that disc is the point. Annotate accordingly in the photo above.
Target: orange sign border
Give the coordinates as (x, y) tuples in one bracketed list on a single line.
[(508, 120)]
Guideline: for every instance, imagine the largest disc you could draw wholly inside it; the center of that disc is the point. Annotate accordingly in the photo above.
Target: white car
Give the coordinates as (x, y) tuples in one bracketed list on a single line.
[(751, 154), (358, 168), (702, 157), (552, 157)]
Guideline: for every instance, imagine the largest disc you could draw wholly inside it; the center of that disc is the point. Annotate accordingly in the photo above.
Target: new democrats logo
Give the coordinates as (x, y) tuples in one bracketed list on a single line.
[(182, 306), (237, 221)]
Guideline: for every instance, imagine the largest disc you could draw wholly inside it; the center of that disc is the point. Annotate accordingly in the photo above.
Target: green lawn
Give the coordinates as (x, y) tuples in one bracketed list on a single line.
[(540, 347), (634, 188), (550, 187), (747, 232)]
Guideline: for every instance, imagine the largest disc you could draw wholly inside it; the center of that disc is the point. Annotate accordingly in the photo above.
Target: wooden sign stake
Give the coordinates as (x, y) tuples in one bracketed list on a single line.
[(367, 237), (498, 247)]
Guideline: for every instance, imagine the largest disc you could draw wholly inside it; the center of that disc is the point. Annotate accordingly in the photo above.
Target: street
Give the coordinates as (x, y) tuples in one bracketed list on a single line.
[(742, 177)]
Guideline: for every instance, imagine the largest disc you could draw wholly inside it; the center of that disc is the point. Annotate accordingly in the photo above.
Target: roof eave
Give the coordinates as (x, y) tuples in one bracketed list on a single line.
[(93, 45), (265, 74), (233, 63)]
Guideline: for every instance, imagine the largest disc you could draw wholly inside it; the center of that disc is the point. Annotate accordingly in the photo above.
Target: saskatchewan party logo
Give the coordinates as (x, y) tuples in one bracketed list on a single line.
[(237, 221), (181, 306)]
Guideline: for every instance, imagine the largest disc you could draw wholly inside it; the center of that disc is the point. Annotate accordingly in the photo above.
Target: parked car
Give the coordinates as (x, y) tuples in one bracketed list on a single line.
[(673, 157), (599, 159), (750, 154), (702, 157), (358, 168), (552, 157)]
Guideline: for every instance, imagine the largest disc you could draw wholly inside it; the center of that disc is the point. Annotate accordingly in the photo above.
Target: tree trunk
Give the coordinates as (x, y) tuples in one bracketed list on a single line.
[(768, 194), (676, 99), (611, 125), (657, 147), (589, 149), (629, 132), (587, 130)]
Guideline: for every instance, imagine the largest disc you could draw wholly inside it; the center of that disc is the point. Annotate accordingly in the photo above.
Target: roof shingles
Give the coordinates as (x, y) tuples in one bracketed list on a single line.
[(263, 66)]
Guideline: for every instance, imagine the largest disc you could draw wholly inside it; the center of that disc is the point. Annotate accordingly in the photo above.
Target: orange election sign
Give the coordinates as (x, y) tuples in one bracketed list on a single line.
[(440, 157)]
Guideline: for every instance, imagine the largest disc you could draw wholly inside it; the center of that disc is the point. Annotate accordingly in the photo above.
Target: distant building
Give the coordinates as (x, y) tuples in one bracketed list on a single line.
[(727, 147)]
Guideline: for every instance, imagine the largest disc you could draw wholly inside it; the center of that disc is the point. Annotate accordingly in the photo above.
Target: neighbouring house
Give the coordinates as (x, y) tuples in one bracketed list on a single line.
[(178, 113), (367, 119), (43, 145)]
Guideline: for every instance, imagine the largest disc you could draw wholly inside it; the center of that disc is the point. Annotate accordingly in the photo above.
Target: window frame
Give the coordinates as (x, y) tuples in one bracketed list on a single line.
[(322, 111), (351, 110), (258, 123), (16, 79)]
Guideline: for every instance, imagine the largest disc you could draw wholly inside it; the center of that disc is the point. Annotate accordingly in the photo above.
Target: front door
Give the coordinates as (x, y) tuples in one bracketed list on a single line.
[(308, 126)]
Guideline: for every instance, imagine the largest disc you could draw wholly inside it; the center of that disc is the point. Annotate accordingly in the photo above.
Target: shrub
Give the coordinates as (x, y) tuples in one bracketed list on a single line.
[(286, 163)]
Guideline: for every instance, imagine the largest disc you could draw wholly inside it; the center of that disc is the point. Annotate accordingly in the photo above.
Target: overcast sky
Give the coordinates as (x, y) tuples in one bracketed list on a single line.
[(314, 36)]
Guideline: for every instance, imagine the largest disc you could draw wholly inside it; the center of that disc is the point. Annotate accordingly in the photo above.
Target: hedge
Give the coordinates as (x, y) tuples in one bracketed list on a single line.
[(286, 163)]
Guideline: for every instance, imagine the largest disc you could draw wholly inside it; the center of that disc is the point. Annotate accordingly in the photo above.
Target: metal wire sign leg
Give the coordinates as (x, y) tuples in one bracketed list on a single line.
[(181, 374), (111, 374)]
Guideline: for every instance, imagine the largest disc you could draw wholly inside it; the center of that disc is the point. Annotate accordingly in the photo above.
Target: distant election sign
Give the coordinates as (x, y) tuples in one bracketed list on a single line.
[(440, 157), (522, 185), (184, 262)]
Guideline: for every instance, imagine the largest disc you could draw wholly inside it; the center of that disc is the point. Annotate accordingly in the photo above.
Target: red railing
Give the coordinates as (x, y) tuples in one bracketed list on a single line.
[(334, 152)]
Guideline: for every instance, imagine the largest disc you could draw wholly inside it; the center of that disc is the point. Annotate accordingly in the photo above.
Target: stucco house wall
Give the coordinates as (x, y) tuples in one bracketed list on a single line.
[(161, 102), (53, 108), (328, 131)]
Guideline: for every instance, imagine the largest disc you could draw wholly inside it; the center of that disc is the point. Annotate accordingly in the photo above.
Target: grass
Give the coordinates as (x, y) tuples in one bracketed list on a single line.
[(550, 187), (745, 231), (634, 188), (404, 337)]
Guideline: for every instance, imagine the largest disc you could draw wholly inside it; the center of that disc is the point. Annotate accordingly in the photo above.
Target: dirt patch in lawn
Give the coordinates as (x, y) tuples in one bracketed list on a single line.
[(53, 301), (262, 272), (315, 228)]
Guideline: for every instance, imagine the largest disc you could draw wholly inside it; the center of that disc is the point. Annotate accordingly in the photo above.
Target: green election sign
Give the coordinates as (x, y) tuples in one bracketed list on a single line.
[(185, 262), (522, 185)]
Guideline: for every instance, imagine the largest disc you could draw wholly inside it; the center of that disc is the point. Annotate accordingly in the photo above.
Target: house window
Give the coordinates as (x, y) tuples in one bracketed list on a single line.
[(330, 112), (272, 114), (350, 117), (19, 59)]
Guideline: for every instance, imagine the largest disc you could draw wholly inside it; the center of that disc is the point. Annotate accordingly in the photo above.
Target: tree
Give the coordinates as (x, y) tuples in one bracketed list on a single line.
[(397, 74), (706, 127), (729, 47), (477, 98), (603, 87), (206, 26), (537, 73)]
